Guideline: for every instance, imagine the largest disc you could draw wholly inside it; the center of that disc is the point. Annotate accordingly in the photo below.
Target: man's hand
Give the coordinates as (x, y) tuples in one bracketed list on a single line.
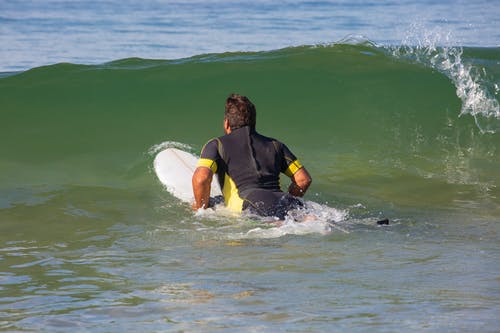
[(202, 179), (300, 183)]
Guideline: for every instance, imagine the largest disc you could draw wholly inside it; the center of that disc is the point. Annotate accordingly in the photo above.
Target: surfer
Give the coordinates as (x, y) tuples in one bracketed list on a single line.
[(247, 165)]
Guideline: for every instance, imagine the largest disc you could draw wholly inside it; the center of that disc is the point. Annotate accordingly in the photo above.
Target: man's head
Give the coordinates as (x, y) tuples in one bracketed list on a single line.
[(239, 112)]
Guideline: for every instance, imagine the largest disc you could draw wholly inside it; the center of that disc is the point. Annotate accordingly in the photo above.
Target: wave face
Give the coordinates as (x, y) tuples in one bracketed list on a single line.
[(384, 127)]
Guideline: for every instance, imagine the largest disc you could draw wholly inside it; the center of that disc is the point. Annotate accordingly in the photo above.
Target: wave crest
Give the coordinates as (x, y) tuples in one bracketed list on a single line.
[(475, 86)]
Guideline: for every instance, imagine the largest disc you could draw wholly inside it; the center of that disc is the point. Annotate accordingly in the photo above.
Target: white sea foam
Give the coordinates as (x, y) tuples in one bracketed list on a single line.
[(168, 144), (315, 218)]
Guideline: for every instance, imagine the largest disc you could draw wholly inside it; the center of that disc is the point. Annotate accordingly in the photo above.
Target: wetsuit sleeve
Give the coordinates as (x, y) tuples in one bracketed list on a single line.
[(290, 163), (209, 156)]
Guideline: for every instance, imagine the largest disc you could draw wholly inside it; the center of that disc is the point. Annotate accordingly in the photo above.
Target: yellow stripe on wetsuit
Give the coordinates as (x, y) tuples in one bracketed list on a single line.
[(293, 168), (206, 162)]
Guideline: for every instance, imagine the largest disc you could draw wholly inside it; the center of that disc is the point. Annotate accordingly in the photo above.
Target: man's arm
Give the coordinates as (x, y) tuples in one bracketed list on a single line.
[(202, 178), (300, 183)]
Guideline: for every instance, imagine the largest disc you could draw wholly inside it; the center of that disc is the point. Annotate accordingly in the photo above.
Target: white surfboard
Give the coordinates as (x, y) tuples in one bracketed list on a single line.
[(174, 168)]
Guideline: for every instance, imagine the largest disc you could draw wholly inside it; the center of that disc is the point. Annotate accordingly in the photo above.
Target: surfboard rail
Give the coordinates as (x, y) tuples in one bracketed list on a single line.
[(174, 168)]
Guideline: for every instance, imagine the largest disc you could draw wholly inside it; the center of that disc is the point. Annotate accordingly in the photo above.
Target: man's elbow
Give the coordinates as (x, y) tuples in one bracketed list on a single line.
[(300, 183), (303, 179), (201, 177), (307, 181)]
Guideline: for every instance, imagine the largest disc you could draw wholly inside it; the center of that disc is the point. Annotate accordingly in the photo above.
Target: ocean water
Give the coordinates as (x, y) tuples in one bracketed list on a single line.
[(35, 33), (392, 106)]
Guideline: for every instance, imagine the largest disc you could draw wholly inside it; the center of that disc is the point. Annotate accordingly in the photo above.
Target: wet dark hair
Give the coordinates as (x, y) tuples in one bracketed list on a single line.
[(239, 112)]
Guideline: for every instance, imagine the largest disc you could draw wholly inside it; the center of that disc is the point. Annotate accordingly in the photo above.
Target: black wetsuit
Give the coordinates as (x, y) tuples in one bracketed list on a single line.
[(248, 166)]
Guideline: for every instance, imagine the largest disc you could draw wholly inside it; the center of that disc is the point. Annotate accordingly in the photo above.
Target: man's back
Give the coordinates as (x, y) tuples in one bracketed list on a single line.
[(248, 165), (252, 160)]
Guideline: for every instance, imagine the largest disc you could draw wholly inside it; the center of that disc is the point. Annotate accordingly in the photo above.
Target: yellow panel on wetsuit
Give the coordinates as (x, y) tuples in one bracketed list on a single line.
[(231, 196)]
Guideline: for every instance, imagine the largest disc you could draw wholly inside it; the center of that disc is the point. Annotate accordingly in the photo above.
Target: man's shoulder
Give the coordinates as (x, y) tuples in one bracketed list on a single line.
[(267, 138), (211, 147), (214, 141)]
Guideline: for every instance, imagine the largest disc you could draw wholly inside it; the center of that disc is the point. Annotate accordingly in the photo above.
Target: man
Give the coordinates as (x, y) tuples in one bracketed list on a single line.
[(248, 165)]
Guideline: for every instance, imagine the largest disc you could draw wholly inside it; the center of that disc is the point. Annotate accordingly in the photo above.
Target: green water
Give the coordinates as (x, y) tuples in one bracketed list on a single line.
[(91, 241)]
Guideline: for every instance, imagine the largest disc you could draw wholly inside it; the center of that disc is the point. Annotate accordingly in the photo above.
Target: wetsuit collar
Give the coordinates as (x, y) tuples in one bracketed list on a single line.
[(248, 129)]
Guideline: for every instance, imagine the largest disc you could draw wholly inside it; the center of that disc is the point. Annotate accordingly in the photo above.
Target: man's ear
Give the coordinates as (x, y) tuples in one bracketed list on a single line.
[(227, 128)]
